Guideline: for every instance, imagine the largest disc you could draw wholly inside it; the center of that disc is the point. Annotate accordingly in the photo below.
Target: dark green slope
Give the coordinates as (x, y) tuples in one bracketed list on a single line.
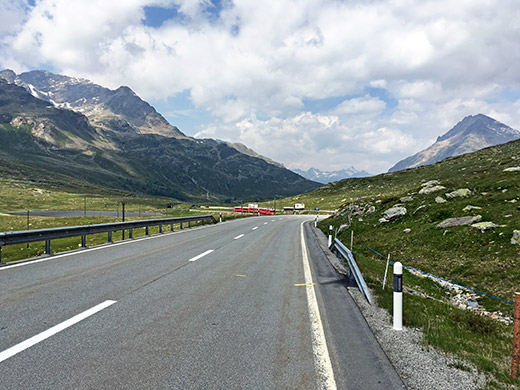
[(148, 163)]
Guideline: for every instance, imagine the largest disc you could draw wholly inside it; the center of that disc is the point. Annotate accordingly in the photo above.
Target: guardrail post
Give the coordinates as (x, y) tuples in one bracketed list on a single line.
[(220, 217), (48, 247), (83, 241), (181, 225), (146, 230), (130, 233), (398, 296), (123, 234), (330, 235), (516, 338), (1, 255), (171, 227), (160, 229), (189, 224), (109, 236)]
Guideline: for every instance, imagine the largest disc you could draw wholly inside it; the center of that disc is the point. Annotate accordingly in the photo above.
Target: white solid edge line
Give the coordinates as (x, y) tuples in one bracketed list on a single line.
[(52, 331), (265, 223), (256, 227), (201, 255), (239, 236), (319, 344), (102, 246)]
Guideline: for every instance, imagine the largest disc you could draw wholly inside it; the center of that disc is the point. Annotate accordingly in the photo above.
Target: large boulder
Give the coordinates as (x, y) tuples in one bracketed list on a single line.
[(394, 213)]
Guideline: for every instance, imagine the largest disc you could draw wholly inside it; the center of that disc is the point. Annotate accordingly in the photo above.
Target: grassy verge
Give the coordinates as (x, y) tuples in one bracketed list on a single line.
[(481, 341)]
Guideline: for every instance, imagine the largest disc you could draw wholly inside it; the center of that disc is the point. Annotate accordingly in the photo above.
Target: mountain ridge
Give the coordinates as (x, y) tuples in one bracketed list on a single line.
[(113, 151), (472, 133), (325, 177)]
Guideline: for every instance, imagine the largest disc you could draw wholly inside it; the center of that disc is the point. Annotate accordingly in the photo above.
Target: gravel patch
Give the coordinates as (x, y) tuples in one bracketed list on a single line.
[(421, 367)]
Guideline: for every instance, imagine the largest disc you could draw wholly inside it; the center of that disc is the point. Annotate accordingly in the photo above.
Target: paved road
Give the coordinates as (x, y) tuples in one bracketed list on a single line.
[(218, 307)]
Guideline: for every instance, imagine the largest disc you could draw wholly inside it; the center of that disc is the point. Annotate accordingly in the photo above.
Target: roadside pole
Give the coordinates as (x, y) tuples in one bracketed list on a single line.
[(398, 296), (330, 236)]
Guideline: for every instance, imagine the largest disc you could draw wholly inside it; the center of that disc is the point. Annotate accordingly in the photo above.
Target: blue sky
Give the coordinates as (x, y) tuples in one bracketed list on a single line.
[(314, 83)]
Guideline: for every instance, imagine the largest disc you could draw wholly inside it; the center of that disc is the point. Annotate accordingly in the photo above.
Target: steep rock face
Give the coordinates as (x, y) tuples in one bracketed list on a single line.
[(469, 135), (101, 105)]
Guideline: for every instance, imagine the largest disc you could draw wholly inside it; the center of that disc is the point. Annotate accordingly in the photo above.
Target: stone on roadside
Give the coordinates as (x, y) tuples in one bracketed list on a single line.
[(405, 199), (516, 237), (460, 221), (440, 199), (407, 230), (484, 226), (512, 169), (343, 228), (460, 193)]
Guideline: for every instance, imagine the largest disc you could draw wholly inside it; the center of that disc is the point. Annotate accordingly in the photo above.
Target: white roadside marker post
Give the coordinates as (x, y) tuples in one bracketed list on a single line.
[(220, 218), (330, 236), (398, 296)]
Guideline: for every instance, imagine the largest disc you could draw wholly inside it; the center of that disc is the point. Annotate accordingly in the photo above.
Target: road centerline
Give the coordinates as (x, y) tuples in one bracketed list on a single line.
[(256, 227), (52, 331), (201, 255), (239, 236)]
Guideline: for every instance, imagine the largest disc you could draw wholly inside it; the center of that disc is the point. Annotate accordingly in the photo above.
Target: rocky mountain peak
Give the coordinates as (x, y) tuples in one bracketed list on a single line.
[(119, 110), (472, 133)]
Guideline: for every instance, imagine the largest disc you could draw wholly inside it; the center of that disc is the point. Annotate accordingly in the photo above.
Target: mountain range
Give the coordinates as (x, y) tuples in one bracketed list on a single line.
[(473, 133), (73, 127), (325, 177)]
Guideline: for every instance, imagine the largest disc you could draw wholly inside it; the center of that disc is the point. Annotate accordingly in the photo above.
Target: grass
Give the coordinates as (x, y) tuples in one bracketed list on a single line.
[(483, 342)]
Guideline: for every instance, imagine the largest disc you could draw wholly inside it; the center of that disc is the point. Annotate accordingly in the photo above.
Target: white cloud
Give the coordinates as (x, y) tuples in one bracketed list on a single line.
[(439, 60)]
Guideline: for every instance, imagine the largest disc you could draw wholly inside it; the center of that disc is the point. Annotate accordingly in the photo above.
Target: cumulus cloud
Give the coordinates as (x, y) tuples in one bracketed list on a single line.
[(433, 62)]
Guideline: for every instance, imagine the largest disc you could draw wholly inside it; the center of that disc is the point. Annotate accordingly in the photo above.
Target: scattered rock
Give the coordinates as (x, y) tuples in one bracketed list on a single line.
[(460, 193), (405, 199), (407, 230), (470, 207), (371, 209), (484, 226), (516, 237), (512, 169), (419, 208), (431, 183), (394, 213), (440, 199), (383, 220), (429, 190), (460, 221)]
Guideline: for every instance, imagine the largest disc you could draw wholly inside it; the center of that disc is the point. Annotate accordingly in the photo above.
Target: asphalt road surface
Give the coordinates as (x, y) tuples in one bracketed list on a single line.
[(248, 304)]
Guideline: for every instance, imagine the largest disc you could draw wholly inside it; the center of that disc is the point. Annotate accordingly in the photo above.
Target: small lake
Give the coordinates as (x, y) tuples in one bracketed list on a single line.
[(89, 213)]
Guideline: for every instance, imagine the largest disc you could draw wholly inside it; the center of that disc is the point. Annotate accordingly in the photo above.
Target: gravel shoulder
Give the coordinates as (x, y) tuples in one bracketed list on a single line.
[(420, 367)]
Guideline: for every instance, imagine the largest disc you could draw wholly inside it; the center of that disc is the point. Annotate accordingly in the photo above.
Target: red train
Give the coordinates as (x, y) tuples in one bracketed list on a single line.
[(254, 210)]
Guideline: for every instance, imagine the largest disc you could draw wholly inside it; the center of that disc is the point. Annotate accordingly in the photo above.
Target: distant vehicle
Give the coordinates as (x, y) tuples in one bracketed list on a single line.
[(316, 208), (254, 210), (299, 206)]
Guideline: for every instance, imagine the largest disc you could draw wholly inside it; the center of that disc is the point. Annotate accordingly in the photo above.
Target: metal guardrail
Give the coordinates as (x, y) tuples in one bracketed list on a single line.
[(27, 236), (348, 255)]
